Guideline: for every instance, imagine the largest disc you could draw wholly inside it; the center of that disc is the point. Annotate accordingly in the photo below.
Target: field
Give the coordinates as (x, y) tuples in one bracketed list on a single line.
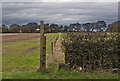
[(20, 59), (21, 52)]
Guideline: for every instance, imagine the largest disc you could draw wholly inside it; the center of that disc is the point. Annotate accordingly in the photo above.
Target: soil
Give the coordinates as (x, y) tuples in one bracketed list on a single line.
[(14, 37), (30, 49)]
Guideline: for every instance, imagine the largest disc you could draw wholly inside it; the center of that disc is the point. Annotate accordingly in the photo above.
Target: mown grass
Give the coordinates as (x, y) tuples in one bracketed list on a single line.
[(24, 55)]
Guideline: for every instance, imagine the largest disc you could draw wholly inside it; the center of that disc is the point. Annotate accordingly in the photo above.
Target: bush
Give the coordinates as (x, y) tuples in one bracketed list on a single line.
[(91, 50)]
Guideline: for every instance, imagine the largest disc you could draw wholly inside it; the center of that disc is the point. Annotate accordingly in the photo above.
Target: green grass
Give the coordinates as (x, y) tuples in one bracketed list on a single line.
[(25, 75), (24, 55), (53, 73)]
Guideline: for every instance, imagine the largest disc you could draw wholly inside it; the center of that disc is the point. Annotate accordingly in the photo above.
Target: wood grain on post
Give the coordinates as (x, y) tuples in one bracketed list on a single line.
[(42, 47)]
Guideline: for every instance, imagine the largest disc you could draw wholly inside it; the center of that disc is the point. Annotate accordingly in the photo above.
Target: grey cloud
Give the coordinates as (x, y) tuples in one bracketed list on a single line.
[(60, 1), (60, 13)]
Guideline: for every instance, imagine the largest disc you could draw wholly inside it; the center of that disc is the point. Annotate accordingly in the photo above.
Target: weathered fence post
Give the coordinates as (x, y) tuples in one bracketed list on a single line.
[(42, 47), (52, 47)]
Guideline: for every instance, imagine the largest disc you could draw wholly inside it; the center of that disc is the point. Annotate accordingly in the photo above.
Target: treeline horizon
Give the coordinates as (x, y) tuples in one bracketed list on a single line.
[(33, 27)]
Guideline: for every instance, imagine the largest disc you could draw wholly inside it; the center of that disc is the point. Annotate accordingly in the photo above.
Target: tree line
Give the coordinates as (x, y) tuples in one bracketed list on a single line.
[(33, 27), (29, 28)]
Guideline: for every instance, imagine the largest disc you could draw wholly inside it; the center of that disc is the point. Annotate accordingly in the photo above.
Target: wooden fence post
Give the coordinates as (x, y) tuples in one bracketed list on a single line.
[(52, 47), (42, 47)]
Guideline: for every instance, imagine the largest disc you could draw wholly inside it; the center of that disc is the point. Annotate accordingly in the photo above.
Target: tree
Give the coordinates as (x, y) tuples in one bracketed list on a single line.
[(32, 24), (52, 27), (25, 29), (65, 28), (14, 28), (47, 28), (0, 29), (87, 26), (4, 29), (92, 26), (113, 27), (100, 25), (75, 27), (32, 27)]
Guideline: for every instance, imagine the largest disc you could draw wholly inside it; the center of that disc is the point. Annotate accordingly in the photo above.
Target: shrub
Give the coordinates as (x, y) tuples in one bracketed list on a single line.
[(91, 50)]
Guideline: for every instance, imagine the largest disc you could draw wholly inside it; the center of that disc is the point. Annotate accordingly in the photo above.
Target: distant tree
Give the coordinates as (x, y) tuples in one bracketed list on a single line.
[(47, 28), (92, 26), (61, 28), (32, 24), (52, 27), (14, 28), (0, 29), (25, 29), (32, 27), (100, 25), (56, 25), (87, 26), (75, 27), (57, 30), (65, 28), (4, 29), (114, 27)]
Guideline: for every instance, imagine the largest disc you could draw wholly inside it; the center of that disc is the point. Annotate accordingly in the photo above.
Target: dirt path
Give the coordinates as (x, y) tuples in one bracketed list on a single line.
[(58, 55)]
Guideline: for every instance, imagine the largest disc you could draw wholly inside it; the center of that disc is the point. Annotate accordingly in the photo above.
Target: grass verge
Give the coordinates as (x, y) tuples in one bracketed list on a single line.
[(52, 72)]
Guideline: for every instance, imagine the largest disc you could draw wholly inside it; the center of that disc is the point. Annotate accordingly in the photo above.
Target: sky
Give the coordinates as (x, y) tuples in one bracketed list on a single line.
[(60, 0), (62, 13)]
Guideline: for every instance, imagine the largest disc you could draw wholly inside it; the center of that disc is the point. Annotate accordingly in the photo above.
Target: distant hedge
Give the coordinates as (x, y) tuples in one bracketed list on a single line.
[(91, 50)]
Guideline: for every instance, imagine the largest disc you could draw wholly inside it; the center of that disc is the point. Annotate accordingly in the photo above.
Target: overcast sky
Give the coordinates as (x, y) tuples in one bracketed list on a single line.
[(60, 0), (59, 13)]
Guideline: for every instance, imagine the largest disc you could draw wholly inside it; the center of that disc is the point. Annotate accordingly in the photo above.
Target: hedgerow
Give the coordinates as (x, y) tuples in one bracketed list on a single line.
[(91, 50)]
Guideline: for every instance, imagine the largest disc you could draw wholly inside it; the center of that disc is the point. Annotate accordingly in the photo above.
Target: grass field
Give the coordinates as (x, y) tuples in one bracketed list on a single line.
[(23, 55)]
